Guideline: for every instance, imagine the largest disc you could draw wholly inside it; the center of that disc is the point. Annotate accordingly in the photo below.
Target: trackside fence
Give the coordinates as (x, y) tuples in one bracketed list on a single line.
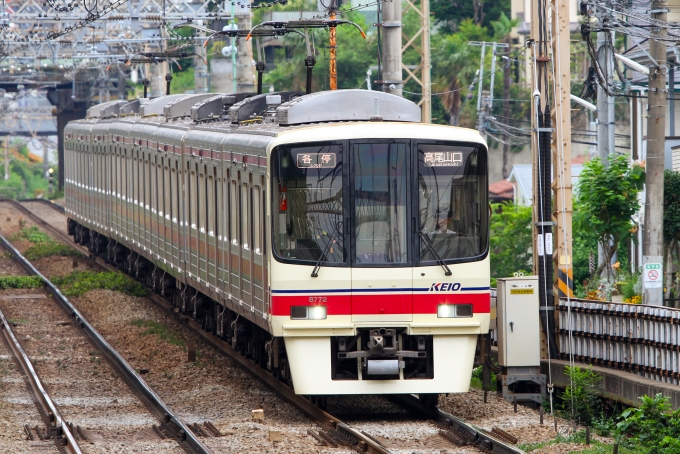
[(630, 337)]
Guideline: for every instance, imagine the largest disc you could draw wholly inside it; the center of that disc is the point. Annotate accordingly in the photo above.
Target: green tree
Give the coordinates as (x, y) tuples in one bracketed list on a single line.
[(607, 200), (671, 220), (510, 240), (449, 14)]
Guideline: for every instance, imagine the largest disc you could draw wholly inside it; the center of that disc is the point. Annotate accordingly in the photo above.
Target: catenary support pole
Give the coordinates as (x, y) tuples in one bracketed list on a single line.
[(391, 50), (656, 143)]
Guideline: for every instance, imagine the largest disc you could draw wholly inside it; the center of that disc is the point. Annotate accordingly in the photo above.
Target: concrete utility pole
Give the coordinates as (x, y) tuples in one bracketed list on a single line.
[(605, 103), (652, 247), (551, 147), (244, 66), (391, 47)]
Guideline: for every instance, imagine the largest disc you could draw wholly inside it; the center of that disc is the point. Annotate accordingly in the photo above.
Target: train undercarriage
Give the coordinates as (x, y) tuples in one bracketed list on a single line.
[(412, 354)]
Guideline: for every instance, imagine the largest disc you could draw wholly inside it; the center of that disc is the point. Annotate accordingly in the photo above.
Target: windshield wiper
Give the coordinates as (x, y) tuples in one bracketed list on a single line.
[(447, 271), (315, 272)]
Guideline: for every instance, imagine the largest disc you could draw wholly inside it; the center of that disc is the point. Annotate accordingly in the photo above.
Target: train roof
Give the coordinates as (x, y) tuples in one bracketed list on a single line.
[(273, 114)]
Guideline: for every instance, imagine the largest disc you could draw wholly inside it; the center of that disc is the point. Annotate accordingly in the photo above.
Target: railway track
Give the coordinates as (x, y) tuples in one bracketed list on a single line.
[(169, 424), (55, 426), (334, 432)]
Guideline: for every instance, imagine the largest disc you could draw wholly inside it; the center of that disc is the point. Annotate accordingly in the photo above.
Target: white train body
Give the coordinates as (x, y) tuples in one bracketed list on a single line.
[(348, 257)]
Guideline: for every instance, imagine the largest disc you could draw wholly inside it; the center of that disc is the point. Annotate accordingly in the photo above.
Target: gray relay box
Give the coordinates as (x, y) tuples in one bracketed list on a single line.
[(519, 342)]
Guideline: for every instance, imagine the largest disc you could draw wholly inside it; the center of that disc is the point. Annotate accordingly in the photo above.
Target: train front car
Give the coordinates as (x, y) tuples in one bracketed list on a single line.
[(380, 268)]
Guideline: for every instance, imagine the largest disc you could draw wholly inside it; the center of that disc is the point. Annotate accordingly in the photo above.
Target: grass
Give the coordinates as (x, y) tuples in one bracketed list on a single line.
[(43, 245), (78, 283), (155, 328), (579, 437), (32, 234), (20, 282), (49, 249)]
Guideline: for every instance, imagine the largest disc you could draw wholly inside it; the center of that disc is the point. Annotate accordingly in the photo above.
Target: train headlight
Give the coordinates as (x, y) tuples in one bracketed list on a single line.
[(308, 312), (454, 310)]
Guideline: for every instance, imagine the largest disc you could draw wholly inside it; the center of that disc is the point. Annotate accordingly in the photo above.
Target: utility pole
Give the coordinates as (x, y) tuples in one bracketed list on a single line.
[(652, 247), (551, 151), (481, 105), (605, 103), (391, 47)]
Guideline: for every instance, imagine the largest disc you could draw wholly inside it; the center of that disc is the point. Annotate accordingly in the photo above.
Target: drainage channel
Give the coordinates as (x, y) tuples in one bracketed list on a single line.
[(56, 427), (186, 438)]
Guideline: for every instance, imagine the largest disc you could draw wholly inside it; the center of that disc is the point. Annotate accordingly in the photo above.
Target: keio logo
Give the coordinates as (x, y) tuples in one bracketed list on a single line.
[(445, 287)]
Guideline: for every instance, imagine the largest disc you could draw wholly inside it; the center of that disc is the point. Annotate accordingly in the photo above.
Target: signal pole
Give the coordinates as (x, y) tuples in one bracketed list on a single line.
[(652, 246)]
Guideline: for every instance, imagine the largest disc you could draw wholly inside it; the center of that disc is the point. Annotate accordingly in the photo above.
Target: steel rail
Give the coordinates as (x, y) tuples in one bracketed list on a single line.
[(134, 380), (364, 443), (54, 418), (481, 438), (477, 436), (56, 206)]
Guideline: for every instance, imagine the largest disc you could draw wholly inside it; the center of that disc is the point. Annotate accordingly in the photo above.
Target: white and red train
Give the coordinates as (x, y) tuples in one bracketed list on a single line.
[(332, 237)]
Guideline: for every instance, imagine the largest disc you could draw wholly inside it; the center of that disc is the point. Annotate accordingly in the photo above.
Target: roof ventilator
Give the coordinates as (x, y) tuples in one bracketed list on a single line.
[(252, 108), (181, 107), (130, 108), (216, 107)]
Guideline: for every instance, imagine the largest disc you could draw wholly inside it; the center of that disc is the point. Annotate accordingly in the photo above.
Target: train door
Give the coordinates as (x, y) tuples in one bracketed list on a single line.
[(225, 238), (246, 239), (213, 225), (176, 217), (164, 215), (203, 208), (156, 203), (235, 227), (258, 239), (379, 212), (147, 215), (136, 181), (192, 211), (90, 181)]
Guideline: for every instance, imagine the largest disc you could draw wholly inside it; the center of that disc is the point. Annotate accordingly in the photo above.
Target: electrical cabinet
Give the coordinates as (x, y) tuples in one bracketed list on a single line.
[(519, 342)]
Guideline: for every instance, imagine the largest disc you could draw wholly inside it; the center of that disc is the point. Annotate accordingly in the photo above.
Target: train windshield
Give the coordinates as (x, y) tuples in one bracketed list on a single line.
[(308, 191), (379, 203), (452, 198)]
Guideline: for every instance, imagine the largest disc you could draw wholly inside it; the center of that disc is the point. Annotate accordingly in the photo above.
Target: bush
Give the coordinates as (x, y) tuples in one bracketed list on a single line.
[(580, 400), (652, 426)]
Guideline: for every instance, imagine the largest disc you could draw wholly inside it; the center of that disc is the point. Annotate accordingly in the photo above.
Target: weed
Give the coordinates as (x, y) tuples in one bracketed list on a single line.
[(476, 379), (159, 329), (18, 320), (20, 282), (580, 400), (49, 249), (32, 234), (43, 245), (79, 282)]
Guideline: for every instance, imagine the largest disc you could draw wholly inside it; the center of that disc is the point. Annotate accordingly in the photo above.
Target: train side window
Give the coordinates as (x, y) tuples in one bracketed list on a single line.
[(135, 180), (263, 222), (201, 203), (256, 221), (233, 213), (174, 196), (192, 198), (167, 193), (211, 203), (244, 217), (147, 184)]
